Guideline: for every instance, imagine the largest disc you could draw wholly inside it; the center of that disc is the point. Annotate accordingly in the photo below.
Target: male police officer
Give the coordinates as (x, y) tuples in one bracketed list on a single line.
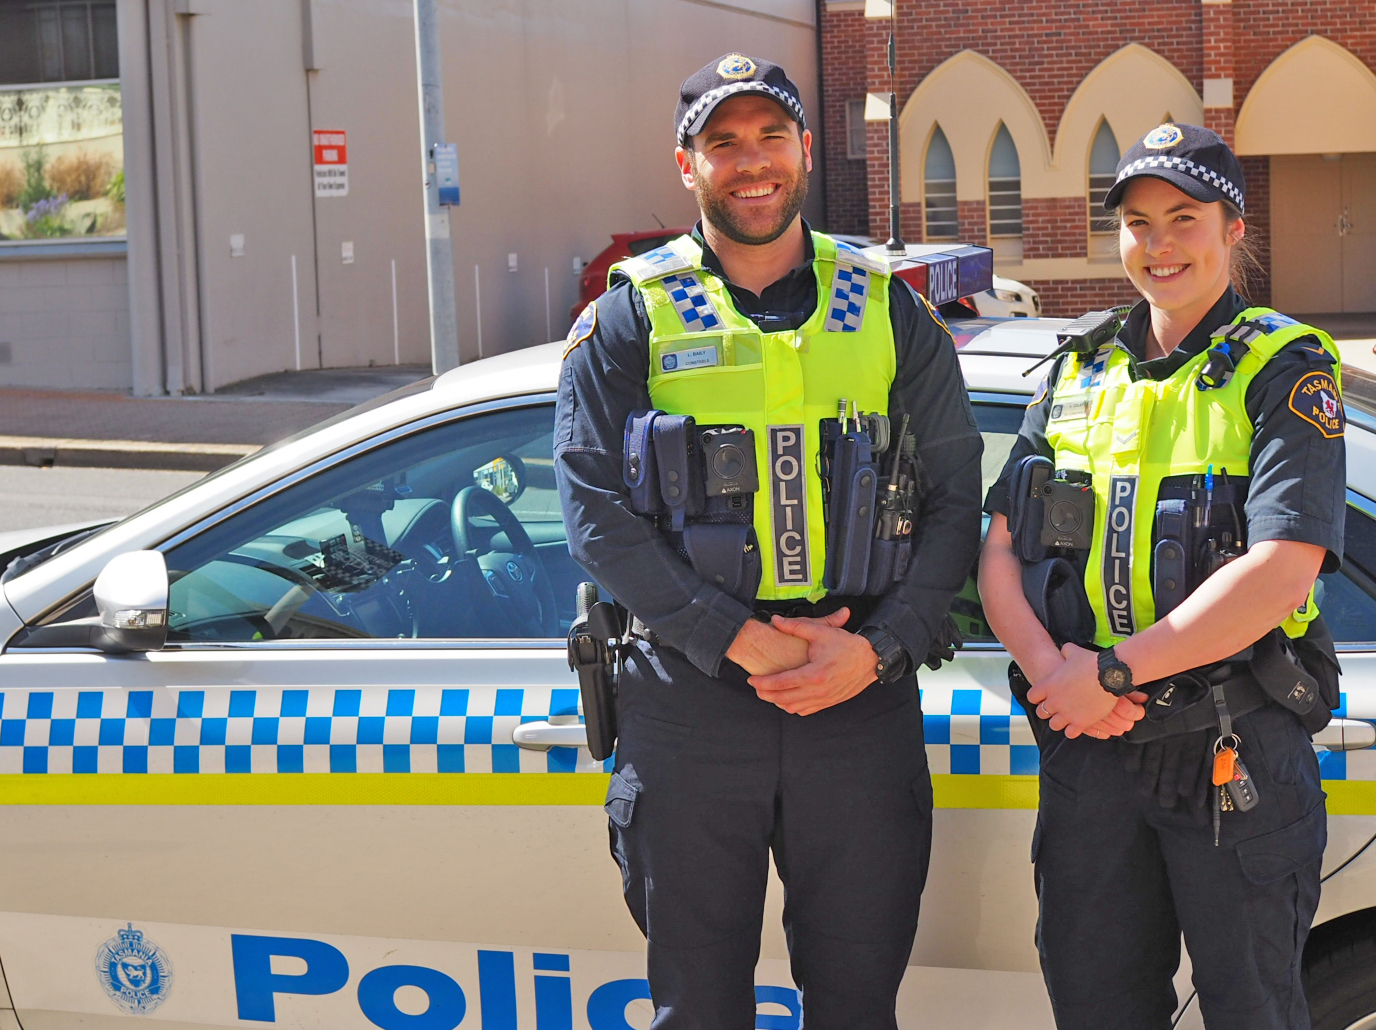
[(739, 734)]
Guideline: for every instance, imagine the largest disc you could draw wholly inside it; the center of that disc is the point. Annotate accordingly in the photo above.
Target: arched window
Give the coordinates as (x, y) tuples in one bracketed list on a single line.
[(939, 200), (1103, 170), (1005, 187)]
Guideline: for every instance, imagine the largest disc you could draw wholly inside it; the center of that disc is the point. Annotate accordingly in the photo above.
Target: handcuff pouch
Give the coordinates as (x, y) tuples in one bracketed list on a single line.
[(1055, 589), (727, 555), (680, 470)]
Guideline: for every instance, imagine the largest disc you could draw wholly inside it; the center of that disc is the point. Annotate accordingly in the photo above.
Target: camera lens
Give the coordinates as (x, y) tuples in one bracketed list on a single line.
[(1064, 517), (728, 462)]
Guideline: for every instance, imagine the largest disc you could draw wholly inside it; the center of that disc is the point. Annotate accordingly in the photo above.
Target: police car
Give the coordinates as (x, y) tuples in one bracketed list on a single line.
[(298, 746)]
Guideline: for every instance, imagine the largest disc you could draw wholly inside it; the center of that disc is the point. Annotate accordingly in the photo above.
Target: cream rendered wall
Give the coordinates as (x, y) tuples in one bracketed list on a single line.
[(252, 169), (563, 114)]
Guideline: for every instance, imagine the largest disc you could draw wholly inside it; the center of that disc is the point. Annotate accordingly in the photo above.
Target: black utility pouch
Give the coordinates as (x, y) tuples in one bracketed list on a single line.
[(727, 555), (1027, 513), (680, 467), (639, 469)]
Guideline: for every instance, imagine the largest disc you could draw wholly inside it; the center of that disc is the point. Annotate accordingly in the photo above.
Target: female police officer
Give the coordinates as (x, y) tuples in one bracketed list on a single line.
[(1209, 434)]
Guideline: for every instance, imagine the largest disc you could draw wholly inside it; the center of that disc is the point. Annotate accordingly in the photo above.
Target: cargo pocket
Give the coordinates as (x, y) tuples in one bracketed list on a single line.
[(1275, 855), (621, 795)]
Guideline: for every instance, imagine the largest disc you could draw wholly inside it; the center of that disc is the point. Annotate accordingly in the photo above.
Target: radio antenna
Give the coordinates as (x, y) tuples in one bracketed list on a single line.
[(895, 244)]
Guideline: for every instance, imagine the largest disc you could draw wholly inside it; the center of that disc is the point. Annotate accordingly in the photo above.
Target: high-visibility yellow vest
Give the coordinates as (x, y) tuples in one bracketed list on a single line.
[(1130, 434), (710, 361)]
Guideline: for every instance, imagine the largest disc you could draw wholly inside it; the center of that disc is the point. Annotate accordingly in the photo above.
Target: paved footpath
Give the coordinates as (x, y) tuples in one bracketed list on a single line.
[(109, 430)]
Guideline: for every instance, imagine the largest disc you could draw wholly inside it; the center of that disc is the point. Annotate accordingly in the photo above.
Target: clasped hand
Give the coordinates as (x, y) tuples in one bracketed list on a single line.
[(1070, 698), (804, 665)]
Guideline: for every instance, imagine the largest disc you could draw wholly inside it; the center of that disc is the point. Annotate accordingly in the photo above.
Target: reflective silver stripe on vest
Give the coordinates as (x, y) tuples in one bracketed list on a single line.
[(788, 506), (1117, 560)]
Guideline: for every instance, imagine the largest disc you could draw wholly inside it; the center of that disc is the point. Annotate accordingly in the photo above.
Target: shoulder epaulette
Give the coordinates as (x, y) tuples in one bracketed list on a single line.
[(655, 264), (848, 255)]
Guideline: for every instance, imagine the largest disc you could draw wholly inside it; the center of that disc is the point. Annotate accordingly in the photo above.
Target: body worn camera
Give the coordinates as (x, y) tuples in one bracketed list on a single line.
[(728, 454), (1051, 509), (1067, 508)]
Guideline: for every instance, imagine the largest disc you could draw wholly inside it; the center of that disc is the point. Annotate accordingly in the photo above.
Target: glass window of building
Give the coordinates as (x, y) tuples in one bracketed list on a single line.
[(61, 121), (939, 196), (855, 130), (1103, 170), (1005, 186)]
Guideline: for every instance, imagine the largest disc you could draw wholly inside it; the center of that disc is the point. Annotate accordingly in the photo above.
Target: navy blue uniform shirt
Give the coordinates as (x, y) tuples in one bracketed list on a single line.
[(1298, 488), (605, 377)]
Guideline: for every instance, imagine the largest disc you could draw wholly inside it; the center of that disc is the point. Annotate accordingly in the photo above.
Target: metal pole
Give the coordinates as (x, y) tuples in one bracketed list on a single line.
[(444, 332)]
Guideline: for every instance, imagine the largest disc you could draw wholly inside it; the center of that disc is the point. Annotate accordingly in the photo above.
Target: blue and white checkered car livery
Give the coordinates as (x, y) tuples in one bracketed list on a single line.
[(850, 286), (1189, 167), (376, 729), (274, 730), (691, 302)]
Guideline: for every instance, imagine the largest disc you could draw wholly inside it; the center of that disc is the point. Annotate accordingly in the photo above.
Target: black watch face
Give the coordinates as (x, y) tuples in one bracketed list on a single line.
[(1114, 680)]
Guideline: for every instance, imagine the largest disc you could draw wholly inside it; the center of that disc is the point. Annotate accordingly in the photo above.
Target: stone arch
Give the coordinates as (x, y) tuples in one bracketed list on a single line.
[(1290, 108), (973, 94), (1129, 88)]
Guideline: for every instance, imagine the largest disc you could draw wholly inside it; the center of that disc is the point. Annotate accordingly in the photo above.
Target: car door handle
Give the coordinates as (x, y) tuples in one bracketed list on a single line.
[(1346, 735), (542, 735)]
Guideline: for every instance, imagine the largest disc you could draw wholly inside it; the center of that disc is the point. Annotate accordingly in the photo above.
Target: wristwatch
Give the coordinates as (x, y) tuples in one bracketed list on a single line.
[(893, 659), (1114, 675)]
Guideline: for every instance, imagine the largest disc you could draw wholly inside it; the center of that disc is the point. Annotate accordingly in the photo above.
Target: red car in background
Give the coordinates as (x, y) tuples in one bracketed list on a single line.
[(593, 281)]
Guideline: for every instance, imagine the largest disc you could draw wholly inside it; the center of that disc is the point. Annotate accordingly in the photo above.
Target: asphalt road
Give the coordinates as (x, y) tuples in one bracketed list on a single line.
[(55, 496)]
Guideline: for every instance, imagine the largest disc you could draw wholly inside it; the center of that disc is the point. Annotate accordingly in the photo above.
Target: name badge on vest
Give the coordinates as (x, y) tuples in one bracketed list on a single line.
[(1117, 563), (1073, 407), (788, 506), (698, 357)]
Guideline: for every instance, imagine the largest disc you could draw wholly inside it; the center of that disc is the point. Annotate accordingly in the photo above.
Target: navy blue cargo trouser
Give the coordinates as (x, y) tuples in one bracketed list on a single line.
[(709, 778), (1119, 878)]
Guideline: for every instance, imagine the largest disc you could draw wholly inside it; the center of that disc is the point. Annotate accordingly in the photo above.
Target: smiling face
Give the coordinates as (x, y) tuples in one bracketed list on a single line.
[(1176, 249), (749, 169)]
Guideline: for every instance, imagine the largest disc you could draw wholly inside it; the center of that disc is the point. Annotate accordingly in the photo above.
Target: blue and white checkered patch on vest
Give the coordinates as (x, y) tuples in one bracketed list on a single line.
[(691, 302), (1092, 375), (850, 286)]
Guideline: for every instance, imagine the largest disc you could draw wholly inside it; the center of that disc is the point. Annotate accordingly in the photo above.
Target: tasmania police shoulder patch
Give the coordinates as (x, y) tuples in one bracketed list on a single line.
[(1043, 388), (582, 328), (936, 315), (1315, 399)]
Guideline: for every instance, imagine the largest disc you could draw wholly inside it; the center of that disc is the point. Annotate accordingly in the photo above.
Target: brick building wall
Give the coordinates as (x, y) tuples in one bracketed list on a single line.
[(1048, 47), (843, 58)]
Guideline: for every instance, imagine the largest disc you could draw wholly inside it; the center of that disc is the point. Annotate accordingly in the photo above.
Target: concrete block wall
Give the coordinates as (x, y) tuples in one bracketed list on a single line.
[(64, 323)]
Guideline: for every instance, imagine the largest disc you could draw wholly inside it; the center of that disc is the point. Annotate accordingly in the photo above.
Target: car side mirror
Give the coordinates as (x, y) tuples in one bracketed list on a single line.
[(131, 597)]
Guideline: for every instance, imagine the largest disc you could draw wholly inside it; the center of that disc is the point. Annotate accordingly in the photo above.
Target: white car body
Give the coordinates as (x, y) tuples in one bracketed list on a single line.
[(1008, 299), (348, 899)]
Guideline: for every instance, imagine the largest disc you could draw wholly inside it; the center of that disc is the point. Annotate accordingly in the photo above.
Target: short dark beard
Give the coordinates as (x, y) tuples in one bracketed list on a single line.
[(715, 211)]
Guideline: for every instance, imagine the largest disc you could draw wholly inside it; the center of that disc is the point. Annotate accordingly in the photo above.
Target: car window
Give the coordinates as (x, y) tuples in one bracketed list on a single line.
[(999, 425), (373, 547), (1347, 598)]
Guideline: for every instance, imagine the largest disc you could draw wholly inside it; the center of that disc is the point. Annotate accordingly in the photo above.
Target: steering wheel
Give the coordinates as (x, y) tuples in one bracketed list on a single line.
[(518, 581)]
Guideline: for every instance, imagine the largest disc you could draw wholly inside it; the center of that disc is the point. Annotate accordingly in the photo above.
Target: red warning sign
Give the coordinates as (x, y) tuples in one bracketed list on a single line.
[(331, 162)]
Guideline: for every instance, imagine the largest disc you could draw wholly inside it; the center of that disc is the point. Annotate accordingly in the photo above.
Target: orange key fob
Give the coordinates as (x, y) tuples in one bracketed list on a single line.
[(1225, 762)]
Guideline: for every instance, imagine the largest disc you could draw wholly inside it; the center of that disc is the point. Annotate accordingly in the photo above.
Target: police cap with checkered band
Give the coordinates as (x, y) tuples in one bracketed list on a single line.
[(1193, 159), (726, 77)]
